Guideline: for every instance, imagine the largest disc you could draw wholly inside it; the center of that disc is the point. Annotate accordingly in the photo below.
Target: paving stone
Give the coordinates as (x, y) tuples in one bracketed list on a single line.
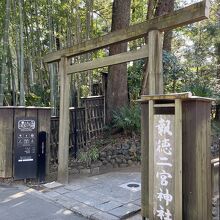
[(100, 197), (116, 194), (94, 191), (61, 190), (103, 216), (72, 187), (91, 201), (84, 210), (137, 202), (124, 210), (99, 188), (82, 197), (124, 196), (72, 194), (51, 194), (84, 180), (66, 202), (82, 184), (108, 206)]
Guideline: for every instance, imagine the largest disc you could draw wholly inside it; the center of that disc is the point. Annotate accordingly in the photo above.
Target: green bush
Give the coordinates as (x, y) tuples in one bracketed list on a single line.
[(88, 156), (172, 73), (127, 119), (38, 97), (135, 77)]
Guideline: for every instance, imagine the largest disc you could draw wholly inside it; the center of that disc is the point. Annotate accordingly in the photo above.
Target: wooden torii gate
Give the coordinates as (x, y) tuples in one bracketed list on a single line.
[(154, 28)]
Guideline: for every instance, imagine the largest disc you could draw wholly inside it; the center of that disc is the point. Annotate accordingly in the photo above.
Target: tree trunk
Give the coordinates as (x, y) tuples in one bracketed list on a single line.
[(17, 39), (89, 7), (150, 9), (38, 48), (5, 52), (32, 51), (117, 89), (218, 59), (22, 94), (168, 35), (165, 7), (217, 116), (78, 40), (51, 67), (12, 83)]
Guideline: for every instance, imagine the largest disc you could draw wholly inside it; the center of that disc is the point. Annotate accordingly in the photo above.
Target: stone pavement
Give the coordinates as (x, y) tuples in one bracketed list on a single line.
[(19, 202), (110, 196)]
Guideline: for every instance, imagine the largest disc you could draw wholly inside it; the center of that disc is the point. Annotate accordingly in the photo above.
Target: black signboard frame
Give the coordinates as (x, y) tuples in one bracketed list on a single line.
[(25, 148)]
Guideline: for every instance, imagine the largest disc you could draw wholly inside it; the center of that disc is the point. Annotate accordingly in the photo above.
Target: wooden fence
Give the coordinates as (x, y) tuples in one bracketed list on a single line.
[(94, 115), (86, 123)]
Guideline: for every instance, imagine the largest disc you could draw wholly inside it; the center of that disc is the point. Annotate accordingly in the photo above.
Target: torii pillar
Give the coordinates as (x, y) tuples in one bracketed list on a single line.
[(63, 150)]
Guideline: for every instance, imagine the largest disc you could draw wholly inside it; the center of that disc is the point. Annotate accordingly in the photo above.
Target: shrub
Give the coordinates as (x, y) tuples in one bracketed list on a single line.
[(127, 119), (88, 156)]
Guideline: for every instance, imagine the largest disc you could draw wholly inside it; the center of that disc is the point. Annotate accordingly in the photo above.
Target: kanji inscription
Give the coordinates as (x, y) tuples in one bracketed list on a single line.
[(164, 145)]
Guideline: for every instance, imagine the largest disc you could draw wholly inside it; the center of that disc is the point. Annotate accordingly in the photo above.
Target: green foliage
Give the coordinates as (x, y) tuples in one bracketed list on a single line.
[(138, 11), (38, 97), (127, 119), (204, 85), (84, 90), (199, 89), (135, 76), (88, 156), (192, 67), (173, 72), (173, 75), (195, 46), (180, 78), (215, 127), (2, 14)]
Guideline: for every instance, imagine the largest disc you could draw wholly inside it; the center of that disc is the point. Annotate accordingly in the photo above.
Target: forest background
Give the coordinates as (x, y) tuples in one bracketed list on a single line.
[(29, 29)]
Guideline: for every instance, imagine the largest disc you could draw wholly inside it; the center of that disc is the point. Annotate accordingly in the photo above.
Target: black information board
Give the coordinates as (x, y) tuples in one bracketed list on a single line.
[(25, 148)]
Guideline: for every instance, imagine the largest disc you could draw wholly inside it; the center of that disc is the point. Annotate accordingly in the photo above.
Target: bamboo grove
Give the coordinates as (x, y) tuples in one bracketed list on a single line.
[(32, 28)]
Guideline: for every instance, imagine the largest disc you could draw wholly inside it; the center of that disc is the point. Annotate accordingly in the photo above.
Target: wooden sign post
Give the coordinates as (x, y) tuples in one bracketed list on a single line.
[(176, 157), (164, 197)]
